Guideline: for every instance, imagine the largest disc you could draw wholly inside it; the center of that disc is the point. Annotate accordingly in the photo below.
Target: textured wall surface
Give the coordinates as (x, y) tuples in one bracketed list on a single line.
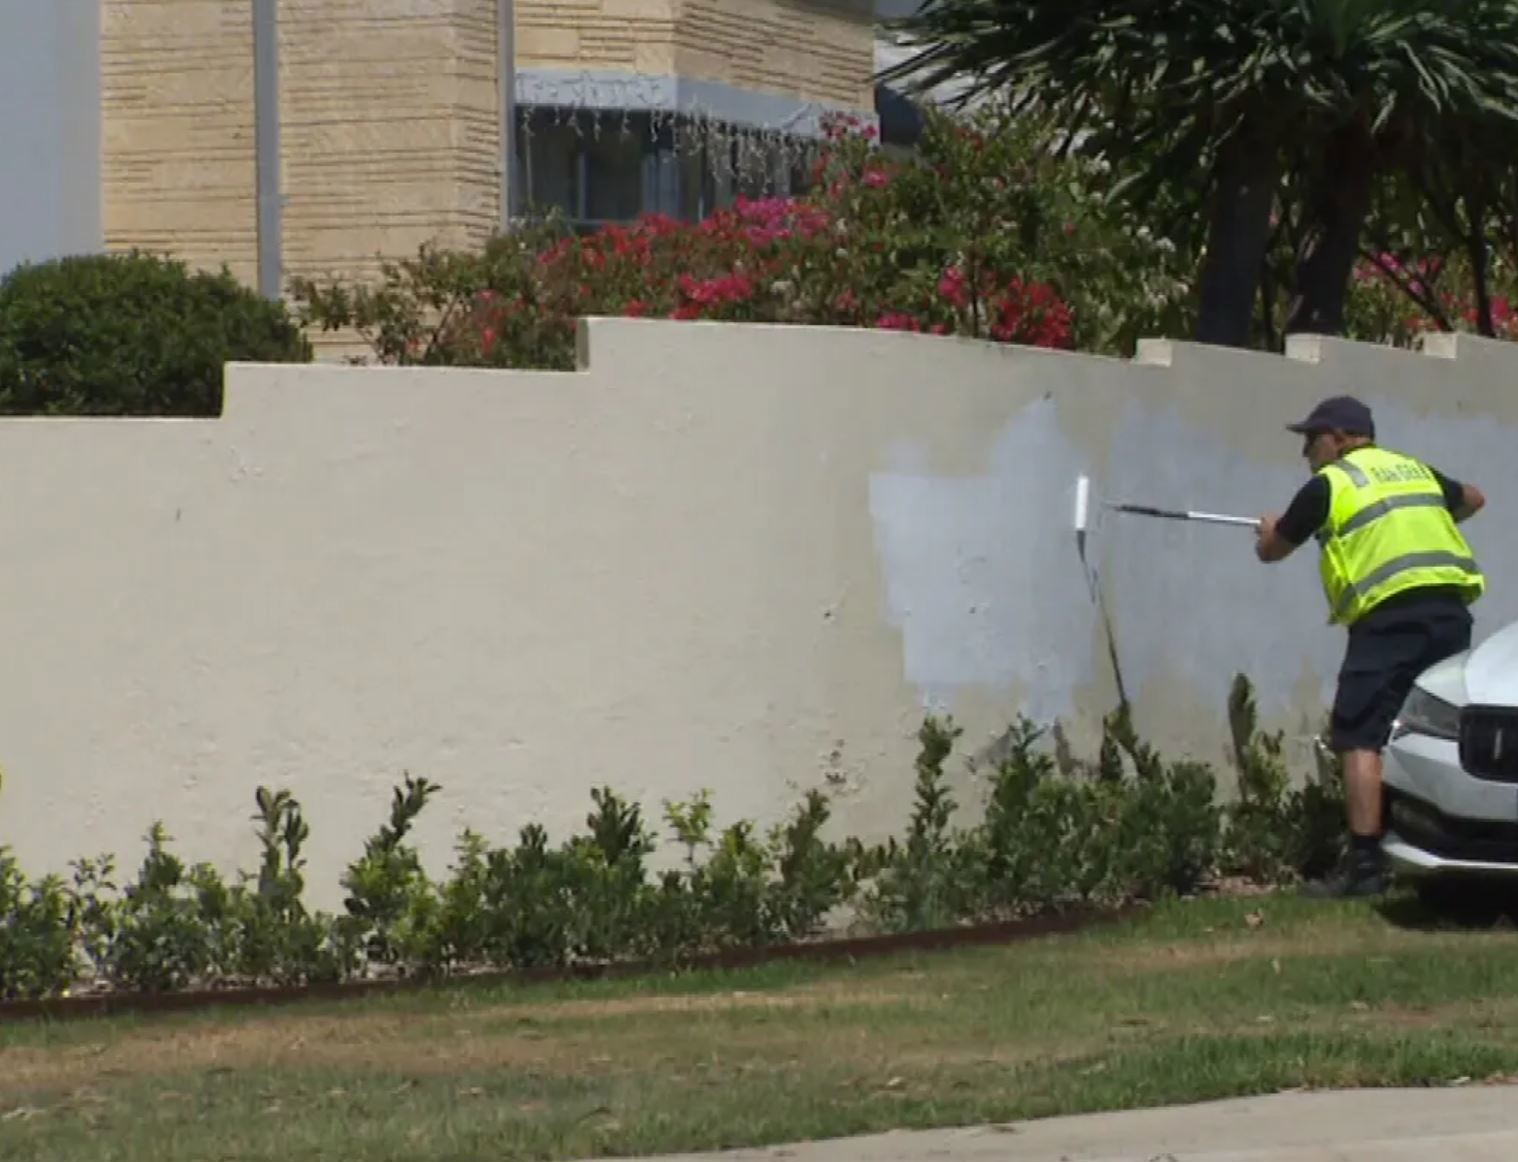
[(812, 50), (390, 109), (177, 111), (632, 35), (391, 129), (822, 50), (728, 557), (50, 130)]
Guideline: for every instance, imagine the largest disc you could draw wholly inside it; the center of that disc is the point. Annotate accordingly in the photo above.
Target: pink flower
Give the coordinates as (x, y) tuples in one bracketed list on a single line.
[(897, 321), (954, 287), (555, 252), (1032, 314), (714, 292)]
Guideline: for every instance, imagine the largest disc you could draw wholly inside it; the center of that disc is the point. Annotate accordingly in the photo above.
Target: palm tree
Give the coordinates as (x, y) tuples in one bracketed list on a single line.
[(1221, 96)]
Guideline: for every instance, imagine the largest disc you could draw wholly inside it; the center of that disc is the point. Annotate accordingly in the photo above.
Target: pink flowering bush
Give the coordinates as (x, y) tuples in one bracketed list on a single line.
[(1396, 300), (981, 233)]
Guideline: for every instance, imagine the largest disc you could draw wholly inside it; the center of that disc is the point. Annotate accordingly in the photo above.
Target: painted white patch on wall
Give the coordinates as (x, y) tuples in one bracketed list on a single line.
[(982, 574)]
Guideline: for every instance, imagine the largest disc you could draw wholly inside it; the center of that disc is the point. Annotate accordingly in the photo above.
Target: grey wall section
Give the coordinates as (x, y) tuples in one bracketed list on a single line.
[(736, 558), (1192, 605), (49, 129)]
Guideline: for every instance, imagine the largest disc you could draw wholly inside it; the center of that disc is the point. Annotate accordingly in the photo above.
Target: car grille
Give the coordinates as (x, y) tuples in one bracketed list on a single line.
[(1426, 827), (1489, 743)]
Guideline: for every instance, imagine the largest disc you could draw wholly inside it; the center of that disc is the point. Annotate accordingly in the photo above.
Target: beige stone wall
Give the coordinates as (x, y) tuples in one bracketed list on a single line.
[(622, 35), (177, 130), (389, 120), (815, 50), (390, 109), (391, 129)]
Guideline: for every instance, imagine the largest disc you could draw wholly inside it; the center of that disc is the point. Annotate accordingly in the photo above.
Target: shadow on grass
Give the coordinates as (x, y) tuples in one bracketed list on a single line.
[(1452, 905)]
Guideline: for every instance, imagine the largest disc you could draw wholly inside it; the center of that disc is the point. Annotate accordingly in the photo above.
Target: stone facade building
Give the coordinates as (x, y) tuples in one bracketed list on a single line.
[(285, 137)]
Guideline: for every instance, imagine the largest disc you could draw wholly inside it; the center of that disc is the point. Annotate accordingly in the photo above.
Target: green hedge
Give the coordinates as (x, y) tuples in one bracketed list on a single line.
[(131, 335), (1054, 834)]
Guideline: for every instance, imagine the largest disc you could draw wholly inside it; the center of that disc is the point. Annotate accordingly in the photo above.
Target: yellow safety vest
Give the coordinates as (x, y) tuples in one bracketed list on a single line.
[(1389, 530)]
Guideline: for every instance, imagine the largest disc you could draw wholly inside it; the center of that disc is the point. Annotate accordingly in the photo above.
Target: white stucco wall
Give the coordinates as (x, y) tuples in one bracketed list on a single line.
[(49, 129), (721, 557)]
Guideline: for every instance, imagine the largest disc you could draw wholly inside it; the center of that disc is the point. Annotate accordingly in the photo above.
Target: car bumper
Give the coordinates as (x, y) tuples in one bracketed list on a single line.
[(1442, 821), (1414, 862)]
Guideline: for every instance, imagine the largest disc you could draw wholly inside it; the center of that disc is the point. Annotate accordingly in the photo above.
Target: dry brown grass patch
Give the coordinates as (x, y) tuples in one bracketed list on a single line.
[(499, 1036), (839, 994), (1260, 944)]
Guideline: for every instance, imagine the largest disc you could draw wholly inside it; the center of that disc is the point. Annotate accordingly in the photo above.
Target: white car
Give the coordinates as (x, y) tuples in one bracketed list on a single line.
[(1451, 770)]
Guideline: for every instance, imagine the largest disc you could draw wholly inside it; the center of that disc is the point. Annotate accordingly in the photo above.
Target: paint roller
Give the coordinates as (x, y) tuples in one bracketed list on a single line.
[(1083, 504), (1082, 518)]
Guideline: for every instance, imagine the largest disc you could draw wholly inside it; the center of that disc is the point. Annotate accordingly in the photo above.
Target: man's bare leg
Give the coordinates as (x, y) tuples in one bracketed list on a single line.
[(1362, 785), (1362, 874)]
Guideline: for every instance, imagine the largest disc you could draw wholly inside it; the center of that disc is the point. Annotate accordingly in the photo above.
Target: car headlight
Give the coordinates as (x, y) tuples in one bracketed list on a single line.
[(1422, 713)]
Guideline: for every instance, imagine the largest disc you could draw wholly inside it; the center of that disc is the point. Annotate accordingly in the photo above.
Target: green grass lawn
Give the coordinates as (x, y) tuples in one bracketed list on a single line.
[(1194, 1001)]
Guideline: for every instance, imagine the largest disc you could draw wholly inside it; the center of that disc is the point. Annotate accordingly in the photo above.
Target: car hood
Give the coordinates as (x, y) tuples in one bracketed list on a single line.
[(1486, 676)]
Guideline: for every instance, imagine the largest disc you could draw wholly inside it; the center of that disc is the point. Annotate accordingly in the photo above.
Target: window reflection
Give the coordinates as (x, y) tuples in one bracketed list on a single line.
[(634, 166)]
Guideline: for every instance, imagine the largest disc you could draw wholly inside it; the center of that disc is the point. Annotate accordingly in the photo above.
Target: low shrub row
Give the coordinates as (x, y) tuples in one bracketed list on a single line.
[(1055, 833)]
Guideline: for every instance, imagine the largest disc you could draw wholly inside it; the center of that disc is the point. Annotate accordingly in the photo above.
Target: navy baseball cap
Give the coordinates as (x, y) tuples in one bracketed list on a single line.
[(1342, 413)]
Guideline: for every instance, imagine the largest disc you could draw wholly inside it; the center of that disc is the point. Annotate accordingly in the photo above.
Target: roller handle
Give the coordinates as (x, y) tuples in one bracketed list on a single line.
[(1176, 514)]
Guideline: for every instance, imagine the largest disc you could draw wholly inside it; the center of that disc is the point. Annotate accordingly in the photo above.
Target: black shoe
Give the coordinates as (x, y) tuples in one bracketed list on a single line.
[(1361, 875)]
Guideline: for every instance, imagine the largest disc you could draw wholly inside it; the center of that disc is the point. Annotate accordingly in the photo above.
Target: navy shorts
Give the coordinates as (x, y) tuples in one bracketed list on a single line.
[(1386, 652)]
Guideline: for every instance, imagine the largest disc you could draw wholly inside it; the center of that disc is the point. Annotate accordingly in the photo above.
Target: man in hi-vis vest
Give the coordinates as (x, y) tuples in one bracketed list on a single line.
[(1398, 574)]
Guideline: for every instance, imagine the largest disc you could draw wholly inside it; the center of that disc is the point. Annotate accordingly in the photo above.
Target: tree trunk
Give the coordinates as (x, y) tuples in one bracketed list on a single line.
[(1248, 174), (1479, 252), (1270, 285), (1325, 261), (1268, 307)]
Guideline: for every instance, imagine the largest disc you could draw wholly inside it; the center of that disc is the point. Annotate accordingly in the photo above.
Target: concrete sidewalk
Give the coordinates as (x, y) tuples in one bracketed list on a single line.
[(1470, 1124)]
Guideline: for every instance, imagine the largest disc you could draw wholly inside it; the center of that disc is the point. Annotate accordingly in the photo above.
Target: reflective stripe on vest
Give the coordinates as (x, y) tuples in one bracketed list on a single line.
[(1356, 477), (1376, 511), (1406, 564)]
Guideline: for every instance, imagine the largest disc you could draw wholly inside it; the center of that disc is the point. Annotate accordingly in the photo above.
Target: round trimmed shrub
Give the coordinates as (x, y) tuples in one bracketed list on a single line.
[(131, 335)]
